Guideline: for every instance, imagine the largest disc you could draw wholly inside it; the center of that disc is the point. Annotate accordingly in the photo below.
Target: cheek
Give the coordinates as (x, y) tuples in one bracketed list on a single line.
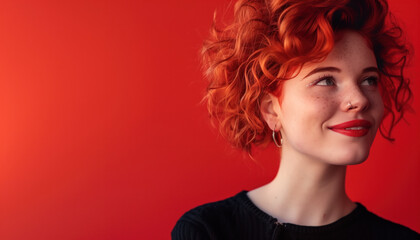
[(321, 105), (308, 112), (378, 107), (325, 103)]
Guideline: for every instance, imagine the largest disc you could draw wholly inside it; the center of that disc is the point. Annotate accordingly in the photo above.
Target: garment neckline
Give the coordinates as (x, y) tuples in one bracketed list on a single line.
[(343, 221)]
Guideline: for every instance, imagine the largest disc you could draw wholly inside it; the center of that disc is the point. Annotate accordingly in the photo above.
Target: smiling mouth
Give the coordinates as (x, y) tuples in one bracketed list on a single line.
[(354, 128)]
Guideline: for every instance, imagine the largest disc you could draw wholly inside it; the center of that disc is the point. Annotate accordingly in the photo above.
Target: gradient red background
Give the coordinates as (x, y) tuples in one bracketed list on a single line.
[(102, 134)]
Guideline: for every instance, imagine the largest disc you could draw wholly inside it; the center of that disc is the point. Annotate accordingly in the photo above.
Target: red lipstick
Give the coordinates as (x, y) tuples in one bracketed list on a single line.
[(354, 128)]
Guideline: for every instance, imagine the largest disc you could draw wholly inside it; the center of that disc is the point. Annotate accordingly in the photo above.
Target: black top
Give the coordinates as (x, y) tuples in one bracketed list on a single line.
[(239, 219)]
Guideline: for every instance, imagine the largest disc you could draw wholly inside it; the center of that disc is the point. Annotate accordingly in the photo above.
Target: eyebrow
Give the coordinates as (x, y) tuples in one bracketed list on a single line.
[(322, 69), (334, 69), (371, 69)]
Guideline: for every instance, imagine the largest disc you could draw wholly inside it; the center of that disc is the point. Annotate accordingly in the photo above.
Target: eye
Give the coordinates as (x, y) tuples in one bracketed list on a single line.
[(370, 81), (325, 81)]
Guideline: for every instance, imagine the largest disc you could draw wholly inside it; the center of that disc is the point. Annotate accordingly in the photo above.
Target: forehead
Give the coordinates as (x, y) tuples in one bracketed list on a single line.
[(348, 43), (351, 52)]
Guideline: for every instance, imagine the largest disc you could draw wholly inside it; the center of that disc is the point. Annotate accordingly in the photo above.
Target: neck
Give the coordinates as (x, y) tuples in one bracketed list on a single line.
[(305, 192)]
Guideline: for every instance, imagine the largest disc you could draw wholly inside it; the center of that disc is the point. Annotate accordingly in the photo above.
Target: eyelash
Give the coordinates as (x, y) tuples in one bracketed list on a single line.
[(374, 78), (331, 78), (322, 78)]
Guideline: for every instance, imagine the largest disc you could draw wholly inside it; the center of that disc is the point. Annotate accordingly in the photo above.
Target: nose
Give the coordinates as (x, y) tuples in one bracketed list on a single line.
[(355, 100)]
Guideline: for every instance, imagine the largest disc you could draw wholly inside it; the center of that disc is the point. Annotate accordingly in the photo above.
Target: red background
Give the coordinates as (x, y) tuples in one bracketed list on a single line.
[(102, 134)]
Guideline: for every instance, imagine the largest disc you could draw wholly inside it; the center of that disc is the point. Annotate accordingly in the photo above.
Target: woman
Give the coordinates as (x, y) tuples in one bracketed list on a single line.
[(317, 79)]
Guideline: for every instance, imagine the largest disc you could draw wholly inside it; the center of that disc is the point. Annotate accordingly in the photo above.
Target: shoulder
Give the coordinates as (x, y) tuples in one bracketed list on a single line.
[(219, 209), (388, 229), (215, 220)]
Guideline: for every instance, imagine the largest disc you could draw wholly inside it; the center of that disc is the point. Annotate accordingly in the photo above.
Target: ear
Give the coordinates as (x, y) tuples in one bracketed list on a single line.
[(270, 111)]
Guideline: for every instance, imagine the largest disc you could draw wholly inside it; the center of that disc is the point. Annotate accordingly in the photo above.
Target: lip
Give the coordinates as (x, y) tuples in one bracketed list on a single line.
[(343, 128)]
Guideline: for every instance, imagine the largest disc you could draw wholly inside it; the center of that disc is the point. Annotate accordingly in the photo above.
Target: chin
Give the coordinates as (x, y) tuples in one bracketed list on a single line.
[(349, 157)]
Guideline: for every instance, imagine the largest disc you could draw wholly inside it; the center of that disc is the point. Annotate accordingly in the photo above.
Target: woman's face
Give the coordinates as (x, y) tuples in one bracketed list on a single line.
[(331, 110)]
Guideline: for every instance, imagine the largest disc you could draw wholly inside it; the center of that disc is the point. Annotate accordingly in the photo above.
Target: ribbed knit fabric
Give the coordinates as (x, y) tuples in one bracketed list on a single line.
[(239, 219)]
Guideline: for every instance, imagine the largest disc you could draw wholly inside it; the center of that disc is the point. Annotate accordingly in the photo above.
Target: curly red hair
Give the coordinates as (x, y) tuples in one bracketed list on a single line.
[(269, 41)]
